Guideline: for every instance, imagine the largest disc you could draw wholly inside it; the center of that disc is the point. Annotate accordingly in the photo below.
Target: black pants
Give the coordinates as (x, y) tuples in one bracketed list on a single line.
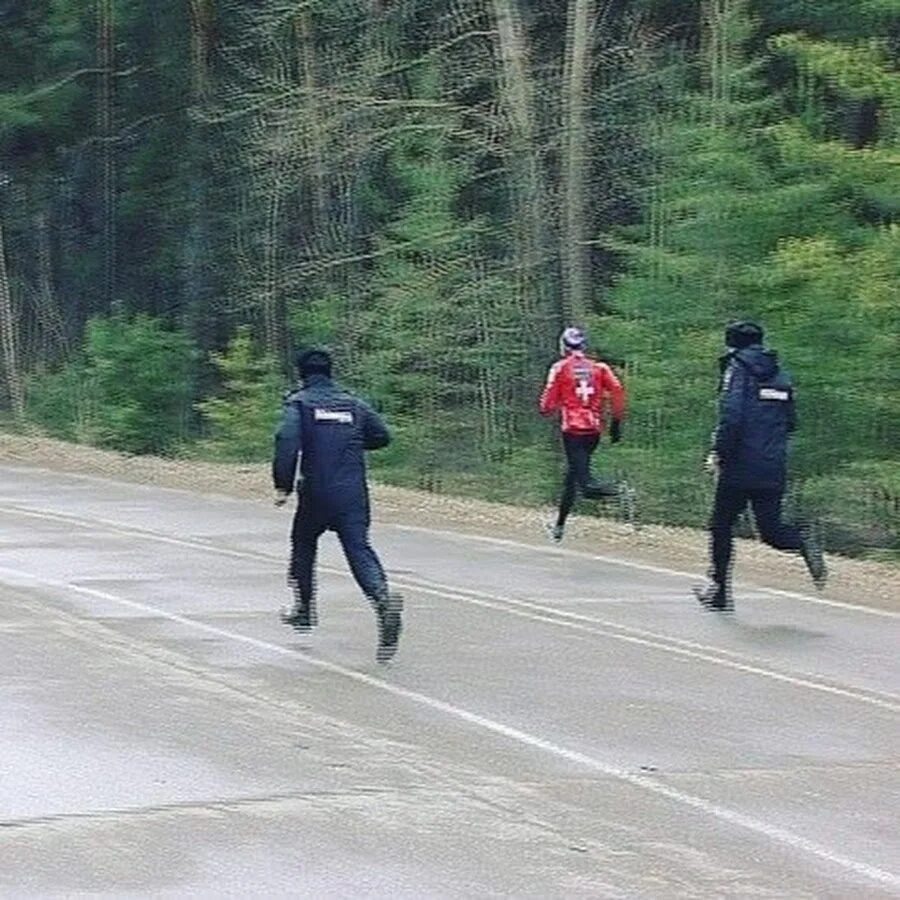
[(579, 449), (353, 533), (730, 503)]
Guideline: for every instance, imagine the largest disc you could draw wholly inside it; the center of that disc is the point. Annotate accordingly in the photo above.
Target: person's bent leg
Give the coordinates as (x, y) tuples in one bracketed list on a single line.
[(362, 558), (786, 536), (608, 489), (305, 535), (353, 534), (772, 528), (591, 488), (582, 448), (369, 574)]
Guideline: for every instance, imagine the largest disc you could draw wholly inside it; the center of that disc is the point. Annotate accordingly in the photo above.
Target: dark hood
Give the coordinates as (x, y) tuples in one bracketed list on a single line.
[(316, 379), (762, 363)]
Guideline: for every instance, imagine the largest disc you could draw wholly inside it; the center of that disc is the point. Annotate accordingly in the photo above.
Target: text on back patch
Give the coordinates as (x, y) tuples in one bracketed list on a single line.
[(342, 417)]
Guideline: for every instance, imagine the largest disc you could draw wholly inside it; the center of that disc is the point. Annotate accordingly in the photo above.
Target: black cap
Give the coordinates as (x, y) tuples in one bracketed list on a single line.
[(314, 362), (739, 335)]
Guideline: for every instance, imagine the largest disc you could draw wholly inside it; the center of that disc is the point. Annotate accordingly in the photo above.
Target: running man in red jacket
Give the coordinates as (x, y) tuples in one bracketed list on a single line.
[(583, 390)]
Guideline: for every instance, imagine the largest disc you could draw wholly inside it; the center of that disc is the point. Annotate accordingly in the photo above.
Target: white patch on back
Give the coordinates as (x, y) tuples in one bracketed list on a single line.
[(774, 394), (342, 417), (585, 390)]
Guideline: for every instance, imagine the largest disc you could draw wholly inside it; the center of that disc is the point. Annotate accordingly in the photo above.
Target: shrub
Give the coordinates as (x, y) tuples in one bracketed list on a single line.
[(241, 420)]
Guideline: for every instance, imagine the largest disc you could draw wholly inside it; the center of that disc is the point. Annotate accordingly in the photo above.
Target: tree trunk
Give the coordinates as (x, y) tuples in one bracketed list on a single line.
[(312, 114), (8, 339), (718, 22), (49, 314), (575, 252), (197, 263), (527, 184), (201, 46), (105, 64), (273, 305)]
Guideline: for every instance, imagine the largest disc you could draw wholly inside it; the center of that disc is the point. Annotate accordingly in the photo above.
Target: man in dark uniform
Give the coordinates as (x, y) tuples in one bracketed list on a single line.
[(330, 430), (749, 457)]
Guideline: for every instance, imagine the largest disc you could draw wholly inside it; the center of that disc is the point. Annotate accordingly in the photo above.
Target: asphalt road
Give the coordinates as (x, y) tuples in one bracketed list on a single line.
[(554, 725)]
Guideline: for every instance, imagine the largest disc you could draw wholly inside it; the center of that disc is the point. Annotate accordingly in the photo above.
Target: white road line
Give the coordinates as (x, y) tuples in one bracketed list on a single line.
[(523, 609), (774, 833), (611, 601), (508, 543), (643, 567), (646, 638)]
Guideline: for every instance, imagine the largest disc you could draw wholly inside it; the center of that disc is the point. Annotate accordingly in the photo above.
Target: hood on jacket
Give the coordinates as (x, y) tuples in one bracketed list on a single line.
[(761, 362), (315, 379)]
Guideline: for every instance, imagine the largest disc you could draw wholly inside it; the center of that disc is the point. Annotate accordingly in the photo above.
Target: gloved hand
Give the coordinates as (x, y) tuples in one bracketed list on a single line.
[(615, 431), (281, 497)]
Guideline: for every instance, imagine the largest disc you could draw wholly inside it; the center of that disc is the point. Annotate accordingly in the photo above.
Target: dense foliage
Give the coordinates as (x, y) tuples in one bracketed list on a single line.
[(190, 188)]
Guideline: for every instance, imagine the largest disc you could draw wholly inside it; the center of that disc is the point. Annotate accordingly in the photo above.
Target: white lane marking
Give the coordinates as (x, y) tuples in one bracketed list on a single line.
[(499, 542), (525, 610), (604, 601), (772, 832), (646, 638), (627, 563)]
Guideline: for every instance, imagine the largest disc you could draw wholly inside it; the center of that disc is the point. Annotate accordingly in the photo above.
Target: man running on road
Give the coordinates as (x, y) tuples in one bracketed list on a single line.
[(330, 430), (582, 389), (749, 459)]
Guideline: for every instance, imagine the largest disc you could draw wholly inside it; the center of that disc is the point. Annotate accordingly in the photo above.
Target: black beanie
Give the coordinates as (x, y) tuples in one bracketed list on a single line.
[(739, 335), (314, 362)]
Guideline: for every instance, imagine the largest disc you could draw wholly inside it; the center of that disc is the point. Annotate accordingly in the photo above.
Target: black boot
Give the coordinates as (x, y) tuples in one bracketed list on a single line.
[(714, 596), (388, 610), (812, 554), (302, 617)]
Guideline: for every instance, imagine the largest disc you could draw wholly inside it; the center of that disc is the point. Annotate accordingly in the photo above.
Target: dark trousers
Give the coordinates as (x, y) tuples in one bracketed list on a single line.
[(579, 449), (730, 503), (353, 533)]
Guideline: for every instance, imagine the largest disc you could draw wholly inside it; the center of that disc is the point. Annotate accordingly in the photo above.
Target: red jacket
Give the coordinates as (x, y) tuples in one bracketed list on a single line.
[(582, 389)]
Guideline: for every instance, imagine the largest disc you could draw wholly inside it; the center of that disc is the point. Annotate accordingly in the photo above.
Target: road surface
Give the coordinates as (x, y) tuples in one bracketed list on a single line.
[(554, 725)]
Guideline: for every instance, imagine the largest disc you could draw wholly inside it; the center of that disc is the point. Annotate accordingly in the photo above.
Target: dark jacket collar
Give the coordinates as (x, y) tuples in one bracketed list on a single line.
[(317, 380), (759, 360)]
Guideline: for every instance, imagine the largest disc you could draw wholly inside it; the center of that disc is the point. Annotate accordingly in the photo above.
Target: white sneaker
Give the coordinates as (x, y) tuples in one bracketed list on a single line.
[(628, 507), (554, 532)]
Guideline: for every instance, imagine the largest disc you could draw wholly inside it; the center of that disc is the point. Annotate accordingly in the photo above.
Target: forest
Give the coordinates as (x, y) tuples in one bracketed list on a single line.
[(190, 190)]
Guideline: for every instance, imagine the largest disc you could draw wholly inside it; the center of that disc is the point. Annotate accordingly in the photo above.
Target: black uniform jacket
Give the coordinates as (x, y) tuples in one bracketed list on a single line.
[(756, 416), (330, 429)]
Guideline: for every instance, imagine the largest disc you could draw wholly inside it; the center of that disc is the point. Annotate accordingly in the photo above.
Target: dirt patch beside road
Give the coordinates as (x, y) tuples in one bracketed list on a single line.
[(852, 581)]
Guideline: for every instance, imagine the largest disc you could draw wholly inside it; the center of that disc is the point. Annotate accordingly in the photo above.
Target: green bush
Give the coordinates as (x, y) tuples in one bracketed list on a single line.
[(242, 419), (129, 390), (60, 402), (140, 373)]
